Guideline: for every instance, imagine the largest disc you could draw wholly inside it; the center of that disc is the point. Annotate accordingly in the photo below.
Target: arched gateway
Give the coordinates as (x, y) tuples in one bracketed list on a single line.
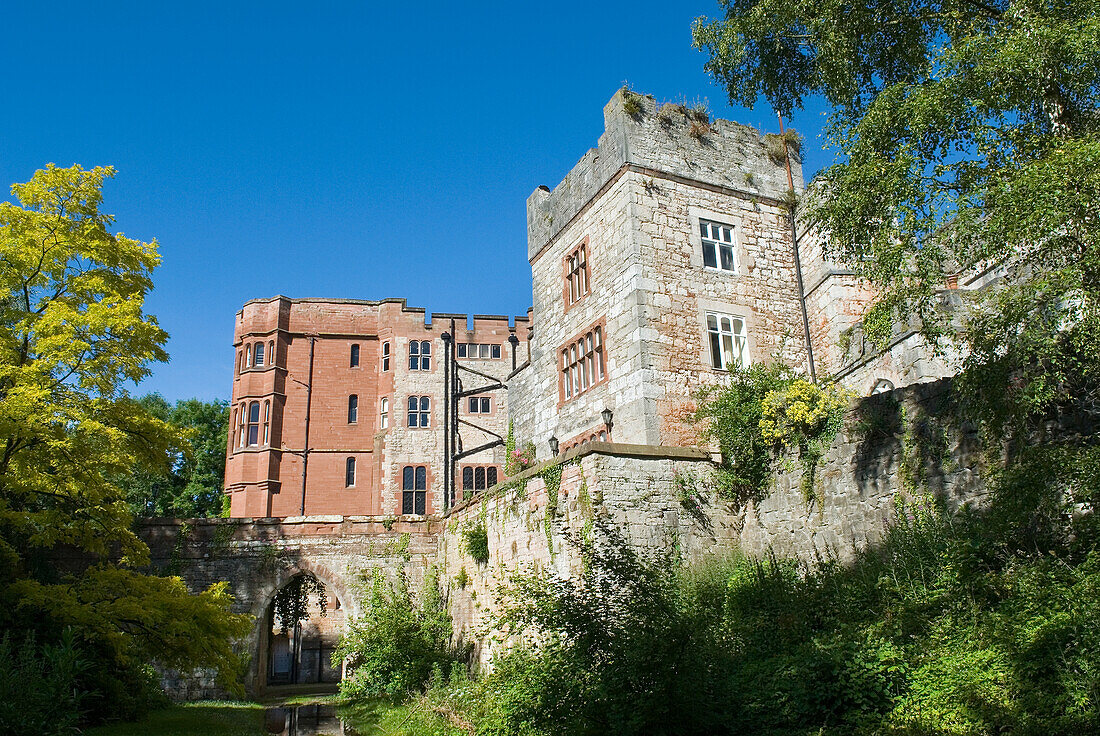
[(272, 562)]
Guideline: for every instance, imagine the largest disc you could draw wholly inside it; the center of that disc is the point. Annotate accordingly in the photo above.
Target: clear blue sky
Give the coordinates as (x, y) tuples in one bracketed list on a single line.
[(358, 150)]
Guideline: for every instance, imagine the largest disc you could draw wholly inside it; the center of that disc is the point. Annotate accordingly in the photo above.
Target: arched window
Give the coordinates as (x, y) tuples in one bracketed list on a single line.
[(385, 357), (882, 385), (354, 356), (267, 423), (258, 356), (240, 361), (353, 409), (271, 352), (247, 356), (233, 428), (254, 424), (242, 428), (349, 472), (384, 418)]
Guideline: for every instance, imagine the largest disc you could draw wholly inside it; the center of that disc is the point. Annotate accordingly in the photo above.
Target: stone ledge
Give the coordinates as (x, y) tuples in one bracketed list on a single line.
[(613, 449)]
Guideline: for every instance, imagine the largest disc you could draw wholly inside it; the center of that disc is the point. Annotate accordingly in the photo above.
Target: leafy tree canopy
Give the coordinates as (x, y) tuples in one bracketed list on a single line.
[(191, 482), (72, 334), (968, 136)]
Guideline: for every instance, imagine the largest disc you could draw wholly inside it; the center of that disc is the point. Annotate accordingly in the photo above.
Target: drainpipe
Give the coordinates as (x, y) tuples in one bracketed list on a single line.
[(447, 416), (309, 401), (797, 258)]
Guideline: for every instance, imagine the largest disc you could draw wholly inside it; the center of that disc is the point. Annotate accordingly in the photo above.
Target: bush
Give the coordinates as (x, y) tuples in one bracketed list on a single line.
[(974, 623), (476, 541), (40, 689), (764, 413), (392, 648), (733, 414)]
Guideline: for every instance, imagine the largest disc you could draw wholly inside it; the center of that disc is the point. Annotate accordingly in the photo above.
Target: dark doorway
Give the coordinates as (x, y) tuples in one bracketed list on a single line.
[(305, 621)]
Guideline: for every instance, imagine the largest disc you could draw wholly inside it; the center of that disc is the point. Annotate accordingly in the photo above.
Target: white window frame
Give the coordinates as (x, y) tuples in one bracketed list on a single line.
[(731, 345), (384, 413), (722, 238)]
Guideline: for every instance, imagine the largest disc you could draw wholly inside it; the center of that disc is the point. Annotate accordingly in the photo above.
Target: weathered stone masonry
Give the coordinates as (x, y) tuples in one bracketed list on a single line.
[(618, 341)]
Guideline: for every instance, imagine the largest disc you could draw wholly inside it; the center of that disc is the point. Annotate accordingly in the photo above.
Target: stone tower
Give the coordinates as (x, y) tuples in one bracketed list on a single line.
[(664, 256)]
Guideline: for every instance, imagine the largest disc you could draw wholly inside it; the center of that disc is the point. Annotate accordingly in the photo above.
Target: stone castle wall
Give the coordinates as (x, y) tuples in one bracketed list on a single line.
[(653, 497)]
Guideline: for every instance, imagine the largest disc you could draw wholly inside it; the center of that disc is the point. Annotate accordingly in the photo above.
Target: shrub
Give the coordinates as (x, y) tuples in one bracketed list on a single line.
[(40, 689), (733, 414), (778, 145), (632, 106), (392, 648), (476, 541)]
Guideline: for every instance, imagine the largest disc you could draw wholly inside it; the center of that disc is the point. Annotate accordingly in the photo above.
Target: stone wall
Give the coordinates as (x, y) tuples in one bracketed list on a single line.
[(535, 527), (659, 497), (872, 467), (259, 556), (655, 497)]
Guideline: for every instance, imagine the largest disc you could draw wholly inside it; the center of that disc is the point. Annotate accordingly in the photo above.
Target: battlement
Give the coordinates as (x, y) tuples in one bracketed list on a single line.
[(670, 141)]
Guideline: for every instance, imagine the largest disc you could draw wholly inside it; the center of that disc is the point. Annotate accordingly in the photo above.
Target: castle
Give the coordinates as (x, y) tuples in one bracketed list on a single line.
[(665, 255), (366, 435)]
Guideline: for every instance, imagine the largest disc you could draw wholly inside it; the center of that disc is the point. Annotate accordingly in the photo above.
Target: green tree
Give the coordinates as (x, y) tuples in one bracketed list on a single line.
[(967, 136), (191, 482), (72, 334)]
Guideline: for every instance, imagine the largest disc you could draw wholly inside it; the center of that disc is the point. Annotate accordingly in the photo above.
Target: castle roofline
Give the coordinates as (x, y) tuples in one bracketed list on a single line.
[(673, 140)]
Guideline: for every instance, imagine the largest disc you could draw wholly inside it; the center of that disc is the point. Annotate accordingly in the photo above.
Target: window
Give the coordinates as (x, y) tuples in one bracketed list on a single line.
[(582, 363), (349, 472), (267, 423), (717, 246), (354, 356), (258, 356), (254, 424), (384, 418), (385, 357), (478, 350), (479, 404), (247, 356), (271, 352), (420, 355), (576, 274), (414, 483), (420, 411), (478, 478), (729, 344), (353, 409), (242, 428)]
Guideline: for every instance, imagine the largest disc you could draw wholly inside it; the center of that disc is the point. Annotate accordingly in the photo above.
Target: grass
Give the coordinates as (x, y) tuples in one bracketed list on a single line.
[(411, 718), (220, 718), (206, 718)]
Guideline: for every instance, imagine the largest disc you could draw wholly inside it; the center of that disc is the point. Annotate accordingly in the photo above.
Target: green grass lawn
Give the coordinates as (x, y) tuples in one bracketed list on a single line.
[(208, 718), (217, 718)]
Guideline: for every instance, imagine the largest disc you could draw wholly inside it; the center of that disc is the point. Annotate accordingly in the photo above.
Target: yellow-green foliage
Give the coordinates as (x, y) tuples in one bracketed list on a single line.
[(804, 418), (73, 336), (799, 412)]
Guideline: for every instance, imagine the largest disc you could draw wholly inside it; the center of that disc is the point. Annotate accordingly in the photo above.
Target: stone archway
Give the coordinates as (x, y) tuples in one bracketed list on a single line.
[(299, 657)]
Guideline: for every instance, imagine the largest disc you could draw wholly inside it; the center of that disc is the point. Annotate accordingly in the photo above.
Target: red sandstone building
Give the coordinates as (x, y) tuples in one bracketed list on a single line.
[(338, 406)]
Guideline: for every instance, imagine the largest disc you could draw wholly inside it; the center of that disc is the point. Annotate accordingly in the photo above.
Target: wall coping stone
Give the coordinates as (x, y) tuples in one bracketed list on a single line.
[(615, 449)]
